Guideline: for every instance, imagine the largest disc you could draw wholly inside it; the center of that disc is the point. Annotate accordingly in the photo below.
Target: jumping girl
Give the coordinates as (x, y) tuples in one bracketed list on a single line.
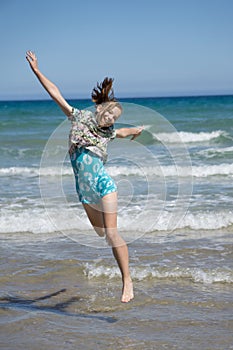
[(88, 139)]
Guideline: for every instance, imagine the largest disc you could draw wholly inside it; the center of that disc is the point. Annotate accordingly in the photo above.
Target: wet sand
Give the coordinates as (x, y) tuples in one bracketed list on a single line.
[(54, 296)]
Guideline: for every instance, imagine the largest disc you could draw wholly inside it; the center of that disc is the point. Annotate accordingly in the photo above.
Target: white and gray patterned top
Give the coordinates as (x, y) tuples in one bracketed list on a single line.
[(86, 133)]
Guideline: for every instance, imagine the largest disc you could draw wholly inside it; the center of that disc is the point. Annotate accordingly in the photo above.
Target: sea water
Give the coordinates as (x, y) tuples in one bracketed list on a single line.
[(175, 211)]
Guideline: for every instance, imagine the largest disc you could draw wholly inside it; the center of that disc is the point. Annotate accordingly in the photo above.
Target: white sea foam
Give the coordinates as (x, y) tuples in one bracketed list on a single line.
[(208, 220), (224, 169), (174, 171), (147, 272), (213, 152), (161, 221), (162, 171), (39, 221), (188, 137), (36, 171)]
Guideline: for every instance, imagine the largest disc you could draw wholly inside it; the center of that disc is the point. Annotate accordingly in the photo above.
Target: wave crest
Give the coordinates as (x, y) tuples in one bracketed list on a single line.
[(38, 221), (224, 169), (189, 137), (196, 275)]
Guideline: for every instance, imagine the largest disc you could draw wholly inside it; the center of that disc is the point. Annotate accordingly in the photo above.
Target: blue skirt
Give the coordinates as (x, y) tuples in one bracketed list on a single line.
[(92, 180)]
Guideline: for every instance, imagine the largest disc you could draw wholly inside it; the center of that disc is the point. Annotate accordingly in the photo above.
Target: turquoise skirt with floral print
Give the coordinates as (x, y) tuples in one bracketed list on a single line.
[(92, 180)]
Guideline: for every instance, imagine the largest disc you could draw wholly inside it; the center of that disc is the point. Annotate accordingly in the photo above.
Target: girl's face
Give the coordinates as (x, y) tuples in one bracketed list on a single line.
[(106, 116)]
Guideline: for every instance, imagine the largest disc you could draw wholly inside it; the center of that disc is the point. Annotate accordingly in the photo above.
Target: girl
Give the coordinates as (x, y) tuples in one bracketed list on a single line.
[(88, 139)]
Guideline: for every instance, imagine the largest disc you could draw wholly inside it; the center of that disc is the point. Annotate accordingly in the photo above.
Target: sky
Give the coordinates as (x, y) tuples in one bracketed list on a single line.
[(151, 48)]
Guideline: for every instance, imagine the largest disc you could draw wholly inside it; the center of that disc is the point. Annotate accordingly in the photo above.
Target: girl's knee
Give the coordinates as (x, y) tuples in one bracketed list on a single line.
[(113, 238), (100, 231)]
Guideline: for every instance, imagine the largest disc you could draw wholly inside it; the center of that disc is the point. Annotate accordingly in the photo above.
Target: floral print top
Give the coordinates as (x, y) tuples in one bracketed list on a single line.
[(86, 133)]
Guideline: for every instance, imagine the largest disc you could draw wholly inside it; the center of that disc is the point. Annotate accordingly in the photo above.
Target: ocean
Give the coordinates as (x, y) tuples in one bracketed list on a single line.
[(60, 286)]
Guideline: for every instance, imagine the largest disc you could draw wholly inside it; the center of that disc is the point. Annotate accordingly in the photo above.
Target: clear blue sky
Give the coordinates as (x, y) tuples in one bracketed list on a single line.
[(150, 47)]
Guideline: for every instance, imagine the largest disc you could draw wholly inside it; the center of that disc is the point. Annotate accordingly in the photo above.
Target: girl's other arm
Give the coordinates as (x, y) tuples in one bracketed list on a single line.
[(125, 132), (50, 87)]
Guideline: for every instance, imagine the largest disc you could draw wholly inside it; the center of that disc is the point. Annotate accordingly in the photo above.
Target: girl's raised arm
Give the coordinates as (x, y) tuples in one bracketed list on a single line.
[(50, 87)]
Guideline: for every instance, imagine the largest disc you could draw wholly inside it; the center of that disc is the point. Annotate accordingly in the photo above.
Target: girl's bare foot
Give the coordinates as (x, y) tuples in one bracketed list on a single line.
[(127, 291)]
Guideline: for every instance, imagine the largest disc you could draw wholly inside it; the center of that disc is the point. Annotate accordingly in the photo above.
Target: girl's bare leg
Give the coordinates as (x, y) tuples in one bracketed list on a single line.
[(121, 255), (95, 215), (104, 221), (119, 247)]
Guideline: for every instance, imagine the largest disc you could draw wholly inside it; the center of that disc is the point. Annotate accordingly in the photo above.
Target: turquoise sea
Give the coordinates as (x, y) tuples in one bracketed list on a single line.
[(60, 287)]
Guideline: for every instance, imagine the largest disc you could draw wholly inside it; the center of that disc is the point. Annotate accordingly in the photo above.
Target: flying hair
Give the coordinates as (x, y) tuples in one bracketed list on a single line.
[(103, 92)]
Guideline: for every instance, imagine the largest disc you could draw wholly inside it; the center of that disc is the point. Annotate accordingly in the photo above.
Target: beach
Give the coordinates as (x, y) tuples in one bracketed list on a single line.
[(60, 286), (179, 303)]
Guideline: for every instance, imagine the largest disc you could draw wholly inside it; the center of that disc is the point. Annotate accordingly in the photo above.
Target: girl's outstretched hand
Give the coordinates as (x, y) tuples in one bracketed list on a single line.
[(32, 59), (136, 132)]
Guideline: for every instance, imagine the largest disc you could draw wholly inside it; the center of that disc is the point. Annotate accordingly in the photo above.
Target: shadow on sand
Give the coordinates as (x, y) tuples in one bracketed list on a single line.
[(11, 302)]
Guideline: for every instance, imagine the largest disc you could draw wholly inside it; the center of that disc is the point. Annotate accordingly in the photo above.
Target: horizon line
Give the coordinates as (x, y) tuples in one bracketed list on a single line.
[(122, 98)]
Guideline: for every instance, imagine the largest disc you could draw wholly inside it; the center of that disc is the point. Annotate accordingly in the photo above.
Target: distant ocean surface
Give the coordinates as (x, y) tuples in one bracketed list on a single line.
[(175, 211)]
